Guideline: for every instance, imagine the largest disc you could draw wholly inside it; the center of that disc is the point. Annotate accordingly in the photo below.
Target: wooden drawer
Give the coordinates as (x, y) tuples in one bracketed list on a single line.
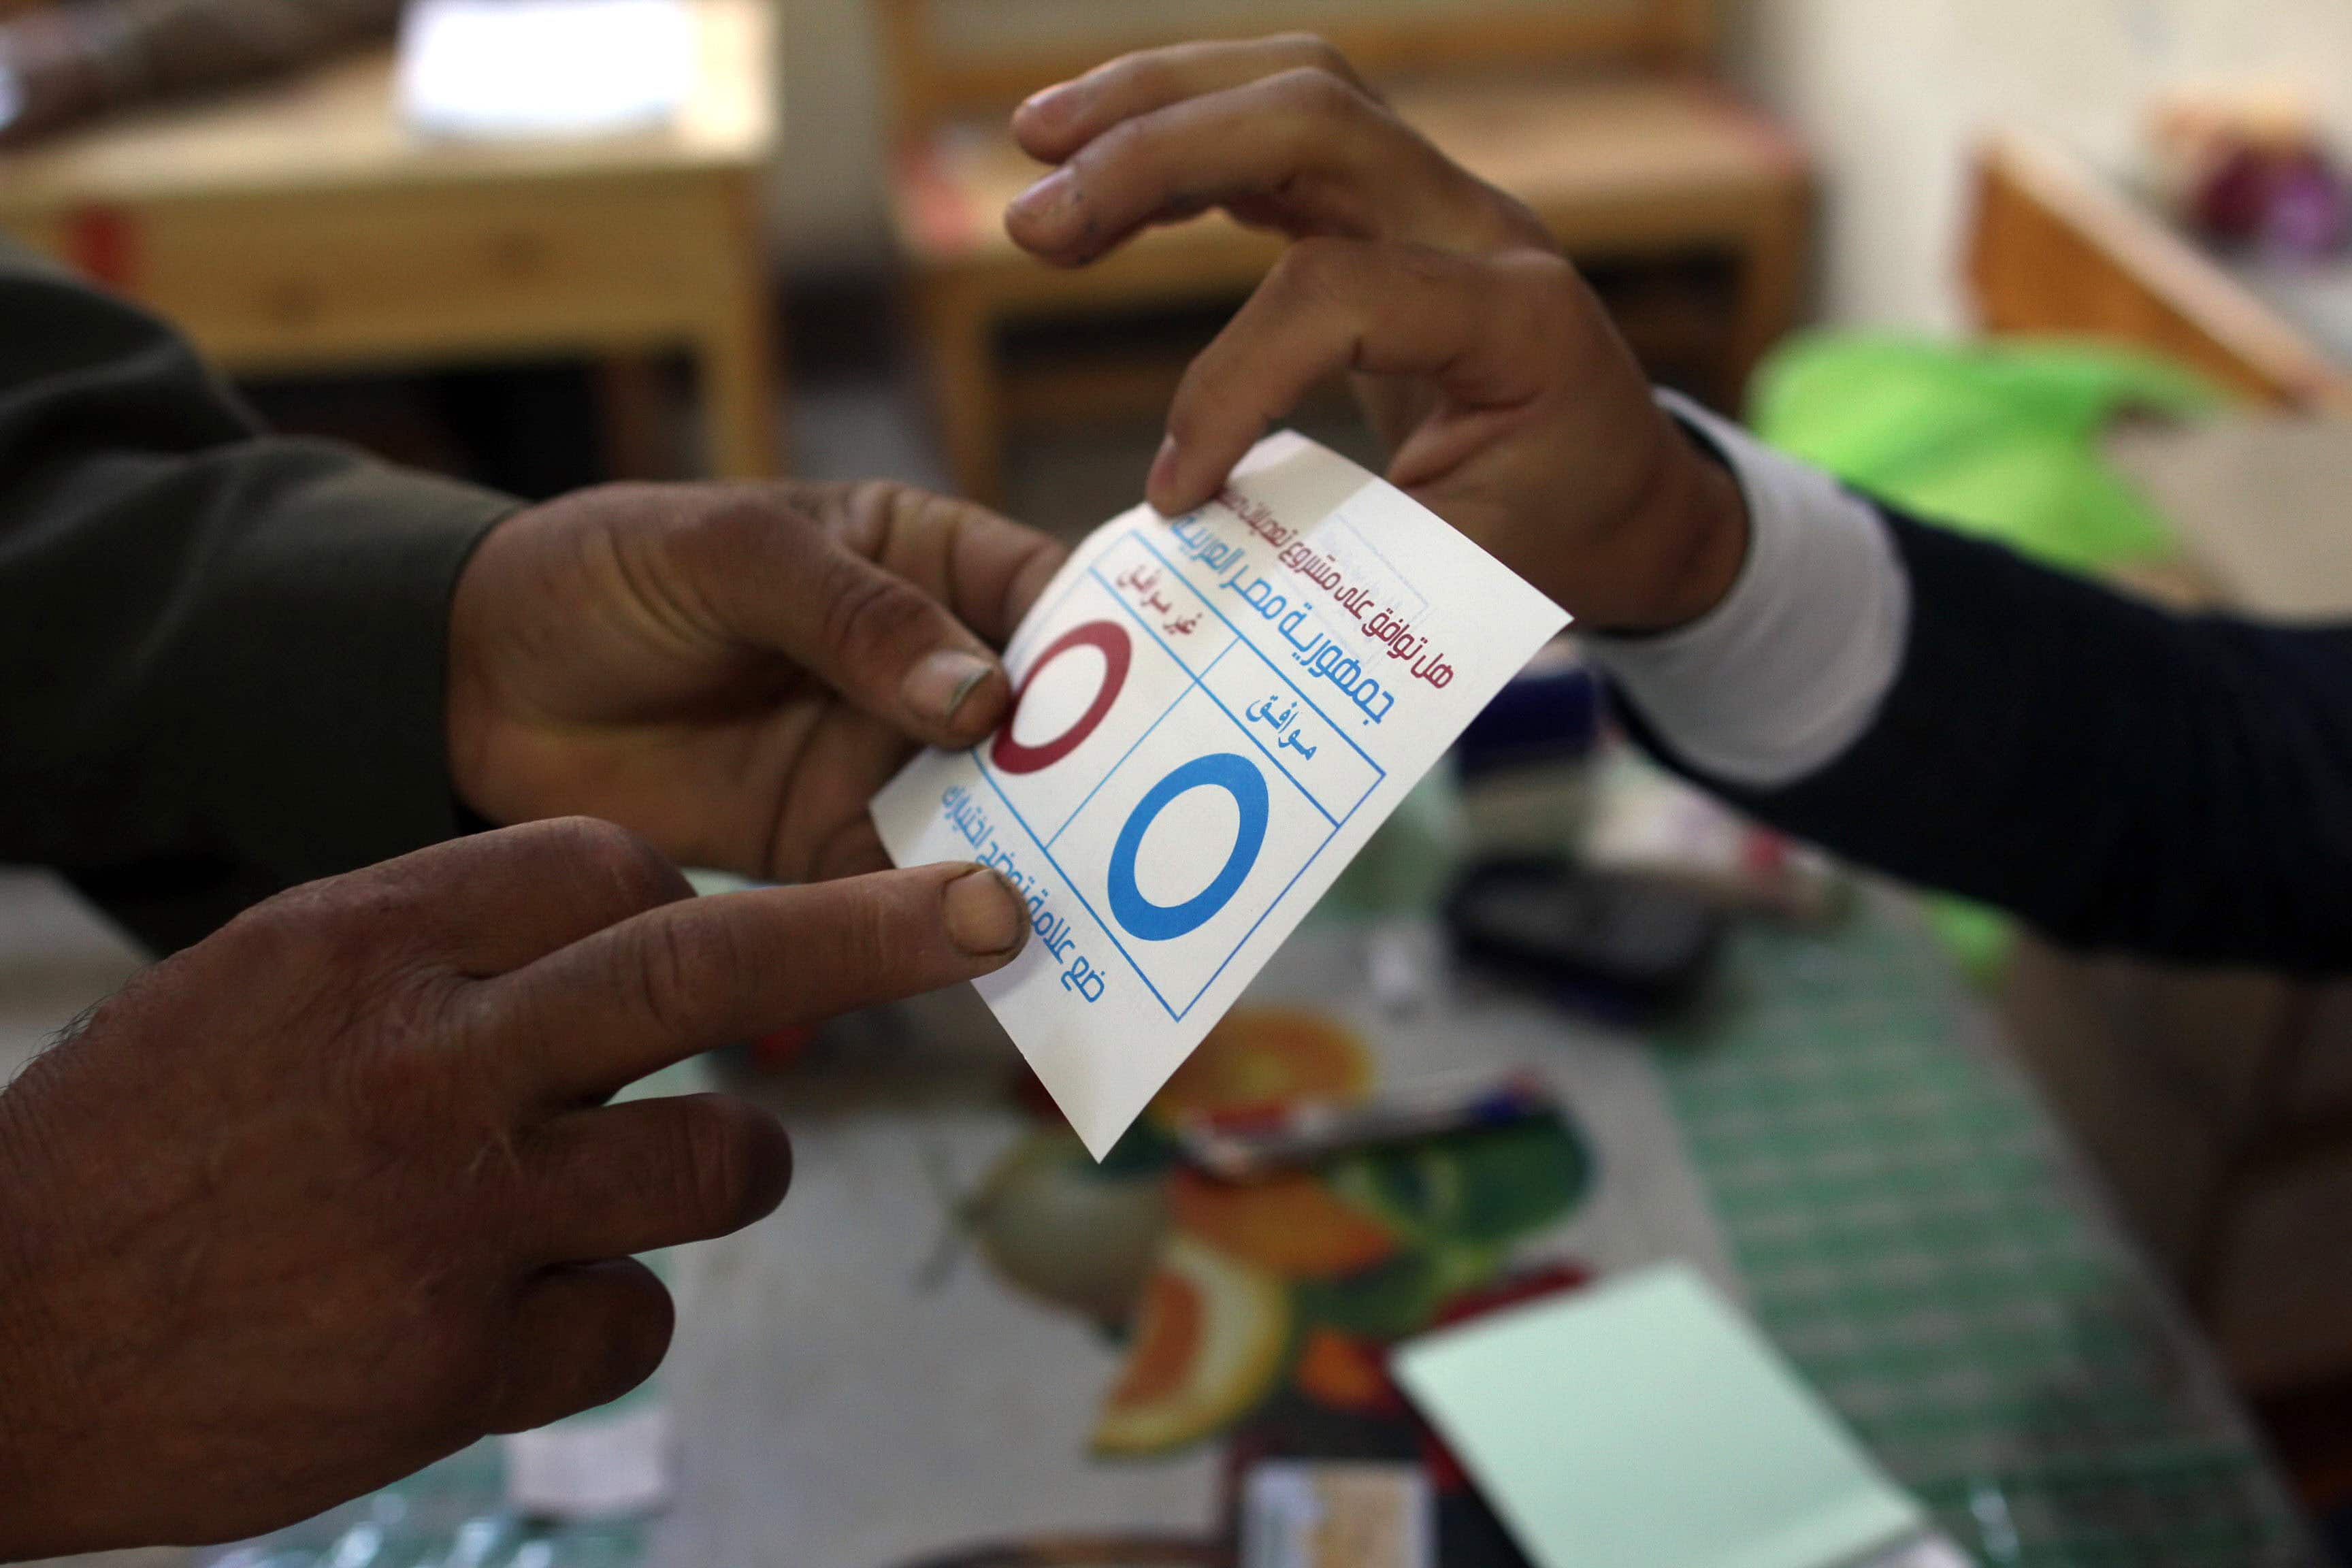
[(279, 282)]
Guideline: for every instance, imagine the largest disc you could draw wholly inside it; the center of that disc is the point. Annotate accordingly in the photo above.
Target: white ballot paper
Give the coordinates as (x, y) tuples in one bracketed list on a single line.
[(1211, 715)]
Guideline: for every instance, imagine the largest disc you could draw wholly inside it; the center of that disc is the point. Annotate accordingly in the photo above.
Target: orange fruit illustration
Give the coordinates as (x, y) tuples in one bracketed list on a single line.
[(1260, 1059), (1293, 1227), (1342, 1371), (1208, 1346)]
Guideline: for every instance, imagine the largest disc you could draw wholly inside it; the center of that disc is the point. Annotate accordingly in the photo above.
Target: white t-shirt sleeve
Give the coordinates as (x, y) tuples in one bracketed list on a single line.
[(1790, 669)]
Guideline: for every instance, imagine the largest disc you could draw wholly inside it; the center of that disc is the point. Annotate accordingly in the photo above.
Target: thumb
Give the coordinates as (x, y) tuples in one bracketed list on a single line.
[(781, 581)]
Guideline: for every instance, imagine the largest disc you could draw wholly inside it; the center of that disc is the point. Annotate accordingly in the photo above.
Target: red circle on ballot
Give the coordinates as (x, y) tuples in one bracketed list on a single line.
[(1106, 638)]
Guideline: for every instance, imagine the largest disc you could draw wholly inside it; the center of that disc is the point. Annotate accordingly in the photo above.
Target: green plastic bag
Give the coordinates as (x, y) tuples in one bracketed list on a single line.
[(1998, 439)]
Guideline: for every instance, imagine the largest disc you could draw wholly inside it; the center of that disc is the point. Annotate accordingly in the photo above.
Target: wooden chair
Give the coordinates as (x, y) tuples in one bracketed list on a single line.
[(1597, 114), (2055, 249)]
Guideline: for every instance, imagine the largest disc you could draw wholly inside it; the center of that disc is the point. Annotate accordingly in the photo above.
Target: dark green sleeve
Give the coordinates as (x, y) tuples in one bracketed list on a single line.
[(221, 653)]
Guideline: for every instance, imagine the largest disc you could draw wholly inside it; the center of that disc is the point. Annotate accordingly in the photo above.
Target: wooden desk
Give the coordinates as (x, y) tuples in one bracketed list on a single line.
[(299, 225)]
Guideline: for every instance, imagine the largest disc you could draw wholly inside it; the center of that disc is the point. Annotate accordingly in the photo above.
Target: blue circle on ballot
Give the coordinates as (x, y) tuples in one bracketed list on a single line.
[(1227, 771)]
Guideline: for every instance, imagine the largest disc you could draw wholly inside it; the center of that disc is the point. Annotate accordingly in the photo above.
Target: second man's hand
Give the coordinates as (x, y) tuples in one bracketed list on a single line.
[(1510, 405), (730, 670)]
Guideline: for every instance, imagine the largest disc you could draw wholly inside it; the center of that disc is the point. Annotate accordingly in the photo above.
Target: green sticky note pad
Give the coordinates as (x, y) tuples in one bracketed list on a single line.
[(1646, 1424)]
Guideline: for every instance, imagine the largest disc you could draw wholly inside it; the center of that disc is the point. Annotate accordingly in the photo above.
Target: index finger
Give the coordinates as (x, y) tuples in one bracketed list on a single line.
[(1493, 333), (1052, 124), (491, 902), (688, 977)]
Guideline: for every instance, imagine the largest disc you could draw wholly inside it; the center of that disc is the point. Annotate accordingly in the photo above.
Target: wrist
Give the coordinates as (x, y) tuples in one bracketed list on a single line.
[(1683, 543)]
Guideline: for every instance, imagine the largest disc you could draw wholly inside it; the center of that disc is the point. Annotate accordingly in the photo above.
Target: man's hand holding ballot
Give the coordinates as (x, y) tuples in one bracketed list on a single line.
[(1510, 405)]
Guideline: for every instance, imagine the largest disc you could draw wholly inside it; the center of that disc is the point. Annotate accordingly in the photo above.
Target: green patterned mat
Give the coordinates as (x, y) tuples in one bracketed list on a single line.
[(1914, 1234)]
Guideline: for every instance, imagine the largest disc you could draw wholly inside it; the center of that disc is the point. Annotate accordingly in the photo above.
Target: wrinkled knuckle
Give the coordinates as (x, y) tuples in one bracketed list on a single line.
[(621, 859), (867, 512), (1314, 270), (1147, 73), (1316, 51), (736, 519), (1550, 292), (913, 516), (332, 950), (1320, 93), (353, 909), (283, 932), (866, 940), (394, 1092), (676, 961), (868, 612), (637, 1338), (1540, 271)]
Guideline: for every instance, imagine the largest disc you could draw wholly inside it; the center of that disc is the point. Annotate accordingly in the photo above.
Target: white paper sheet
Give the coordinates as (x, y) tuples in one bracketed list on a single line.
[(1645, 1424), (1214, 714), (544, 68)]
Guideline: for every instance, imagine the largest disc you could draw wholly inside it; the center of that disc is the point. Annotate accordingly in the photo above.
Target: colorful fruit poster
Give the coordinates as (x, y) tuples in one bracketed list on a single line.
[(991, 1348)]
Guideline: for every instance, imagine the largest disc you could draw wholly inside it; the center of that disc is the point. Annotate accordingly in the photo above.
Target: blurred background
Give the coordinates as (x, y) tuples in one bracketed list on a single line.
[(2074, 274)]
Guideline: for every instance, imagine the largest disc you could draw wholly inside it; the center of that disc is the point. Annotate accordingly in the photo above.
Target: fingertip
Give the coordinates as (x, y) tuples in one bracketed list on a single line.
[(984, 708), (1175, 483), (1160, 485), (1038, 128), (941, 689), (984, 915), (1044, 217), (1041, 123), (583, 1335), (767, 1160)]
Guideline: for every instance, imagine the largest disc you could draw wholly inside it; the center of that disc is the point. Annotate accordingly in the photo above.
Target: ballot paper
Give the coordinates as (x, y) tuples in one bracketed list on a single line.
[(544, 68), (1644, 1423), (1213, 713)]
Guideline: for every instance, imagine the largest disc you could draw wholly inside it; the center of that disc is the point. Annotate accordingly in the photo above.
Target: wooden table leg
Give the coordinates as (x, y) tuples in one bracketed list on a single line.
[(740, 353), (632, 407), (967, 392)]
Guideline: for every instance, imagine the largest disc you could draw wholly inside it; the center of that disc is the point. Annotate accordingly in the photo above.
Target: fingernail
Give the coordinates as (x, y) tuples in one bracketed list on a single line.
[(1045, 100), (984, 916), (937, 687), (1048, 200)]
